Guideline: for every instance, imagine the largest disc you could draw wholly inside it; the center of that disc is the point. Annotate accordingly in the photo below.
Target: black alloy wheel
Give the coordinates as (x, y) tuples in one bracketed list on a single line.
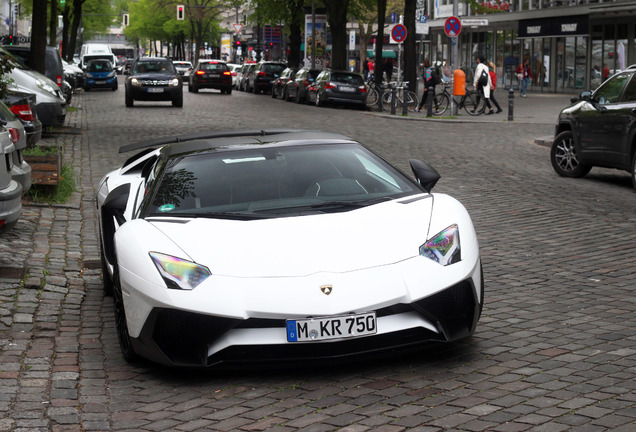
[(564, 157)]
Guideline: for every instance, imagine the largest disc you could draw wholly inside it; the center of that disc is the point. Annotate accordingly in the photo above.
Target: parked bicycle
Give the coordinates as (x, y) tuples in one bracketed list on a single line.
[(373, 93), (412, 100), (468, 101)]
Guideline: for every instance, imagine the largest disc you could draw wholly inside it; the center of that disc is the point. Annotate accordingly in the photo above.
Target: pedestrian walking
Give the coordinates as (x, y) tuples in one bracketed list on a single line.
[(482, 82), (371, 70), (493, 85), (388, 69), (524, 75), (431, 79)]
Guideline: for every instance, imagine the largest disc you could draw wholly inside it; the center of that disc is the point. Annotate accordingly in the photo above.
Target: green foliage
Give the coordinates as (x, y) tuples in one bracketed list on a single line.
[(5, 81)]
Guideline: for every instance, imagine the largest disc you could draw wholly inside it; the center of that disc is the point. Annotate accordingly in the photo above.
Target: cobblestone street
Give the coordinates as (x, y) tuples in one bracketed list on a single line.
[(555, 349)]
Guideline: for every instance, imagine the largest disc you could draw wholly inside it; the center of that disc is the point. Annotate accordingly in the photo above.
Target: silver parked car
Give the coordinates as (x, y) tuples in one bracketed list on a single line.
[(10, 189)]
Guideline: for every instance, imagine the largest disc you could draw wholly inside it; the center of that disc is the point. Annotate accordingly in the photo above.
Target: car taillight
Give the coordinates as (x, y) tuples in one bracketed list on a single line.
[(23, 111), (58, 80), (233, 73), (330, 85), (15, 134), (261, 73), (228, 73), (200, 72), (363, 89)]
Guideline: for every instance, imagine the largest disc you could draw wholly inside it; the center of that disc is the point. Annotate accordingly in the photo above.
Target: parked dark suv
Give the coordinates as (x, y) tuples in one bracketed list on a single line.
[(598, 129), (211, 74), (153, 79), (263, 75)]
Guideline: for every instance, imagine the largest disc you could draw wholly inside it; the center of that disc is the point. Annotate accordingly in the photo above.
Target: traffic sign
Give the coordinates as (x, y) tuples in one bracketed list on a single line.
[(452, 26), (398, 33), (238, 28)]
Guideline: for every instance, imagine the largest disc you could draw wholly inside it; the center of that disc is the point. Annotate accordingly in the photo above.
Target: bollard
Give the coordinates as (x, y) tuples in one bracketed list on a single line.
[(393, 101), (405, 107), (430, 95), (511, 104)]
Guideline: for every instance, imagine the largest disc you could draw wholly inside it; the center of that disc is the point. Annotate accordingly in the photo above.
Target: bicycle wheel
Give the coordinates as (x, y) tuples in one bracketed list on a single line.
[(412, 101), (470, 103), (440, 104), (387, 99), (372, 97)]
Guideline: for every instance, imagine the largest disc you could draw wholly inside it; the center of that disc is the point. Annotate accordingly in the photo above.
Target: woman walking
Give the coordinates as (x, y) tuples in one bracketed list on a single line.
[(493, 85)]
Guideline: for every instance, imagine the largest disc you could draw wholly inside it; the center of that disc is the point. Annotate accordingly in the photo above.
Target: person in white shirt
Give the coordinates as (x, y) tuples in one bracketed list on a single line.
[(482, 84)]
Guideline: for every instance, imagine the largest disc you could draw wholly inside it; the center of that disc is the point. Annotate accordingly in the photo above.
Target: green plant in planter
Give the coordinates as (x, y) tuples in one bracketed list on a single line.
[(58, 194)]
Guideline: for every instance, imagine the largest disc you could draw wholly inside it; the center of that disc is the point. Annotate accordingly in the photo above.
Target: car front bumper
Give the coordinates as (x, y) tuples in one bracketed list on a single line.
[(179, 334), (145, 94)]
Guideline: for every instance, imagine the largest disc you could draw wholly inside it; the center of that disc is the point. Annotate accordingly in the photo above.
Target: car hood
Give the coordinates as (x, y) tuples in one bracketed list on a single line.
[(101, 74), (373, 236)]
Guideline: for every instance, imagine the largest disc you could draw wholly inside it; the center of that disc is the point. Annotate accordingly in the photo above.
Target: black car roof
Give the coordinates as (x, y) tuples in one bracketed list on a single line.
[(233, 139)]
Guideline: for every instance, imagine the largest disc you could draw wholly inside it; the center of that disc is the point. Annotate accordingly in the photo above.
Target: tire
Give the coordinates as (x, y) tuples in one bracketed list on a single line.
[(386, 101), (634, 171), (565, 159), (87, 89), (440, 104), (115, 86), (229, 91), (286, 97), (178, 102), (195, 89), (298, 98), (129, 101), (190, 87), (372, 97), (273, 93), (470, 103), (125, 345), (412, 101)]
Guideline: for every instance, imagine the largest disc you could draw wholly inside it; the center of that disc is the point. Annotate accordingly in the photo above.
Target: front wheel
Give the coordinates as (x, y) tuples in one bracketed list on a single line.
[(387, 101), (470, 103), (440, 104), (129, 101), (372, 97), (412, 101), (565, 159), (634, 171)]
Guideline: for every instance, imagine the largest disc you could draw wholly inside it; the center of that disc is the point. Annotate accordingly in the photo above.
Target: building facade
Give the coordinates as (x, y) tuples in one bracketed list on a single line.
[(571, 44)]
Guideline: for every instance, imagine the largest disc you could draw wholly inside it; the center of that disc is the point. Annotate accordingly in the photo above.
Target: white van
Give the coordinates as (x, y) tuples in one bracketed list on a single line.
[(93, 51)]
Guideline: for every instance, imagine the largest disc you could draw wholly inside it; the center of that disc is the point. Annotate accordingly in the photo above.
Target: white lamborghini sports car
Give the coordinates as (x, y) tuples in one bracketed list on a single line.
[(281, 245)]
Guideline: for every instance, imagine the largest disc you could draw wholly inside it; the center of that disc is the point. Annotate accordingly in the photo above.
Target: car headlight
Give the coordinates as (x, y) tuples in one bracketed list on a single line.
[(135, 82), (444, 247), (112, 74), (89, 75), (45, 86), (174, 82), (178, 273)]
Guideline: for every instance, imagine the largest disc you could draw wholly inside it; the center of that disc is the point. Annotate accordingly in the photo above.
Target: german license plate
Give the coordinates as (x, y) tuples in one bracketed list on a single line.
[(214, 75), (100, 82), (346, 89), (339, 327), (155, 90)]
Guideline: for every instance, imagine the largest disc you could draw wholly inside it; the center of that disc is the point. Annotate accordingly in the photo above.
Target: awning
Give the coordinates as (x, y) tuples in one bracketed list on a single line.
[(385, 54)]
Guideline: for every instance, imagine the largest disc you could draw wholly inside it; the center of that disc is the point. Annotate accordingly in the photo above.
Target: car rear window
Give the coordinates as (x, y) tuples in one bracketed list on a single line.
[(214, 67), (272, 68), (351, 79)]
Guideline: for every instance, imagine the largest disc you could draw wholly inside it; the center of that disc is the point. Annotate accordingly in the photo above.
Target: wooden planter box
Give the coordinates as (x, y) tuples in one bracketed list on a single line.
[(45, 170)]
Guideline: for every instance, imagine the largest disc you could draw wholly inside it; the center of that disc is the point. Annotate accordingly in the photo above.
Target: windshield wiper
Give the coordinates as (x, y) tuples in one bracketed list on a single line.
[(326, 205)]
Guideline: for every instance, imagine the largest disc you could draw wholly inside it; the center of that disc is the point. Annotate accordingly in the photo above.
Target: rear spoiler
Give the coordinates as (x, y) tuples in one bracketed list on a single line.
[(204, 135)]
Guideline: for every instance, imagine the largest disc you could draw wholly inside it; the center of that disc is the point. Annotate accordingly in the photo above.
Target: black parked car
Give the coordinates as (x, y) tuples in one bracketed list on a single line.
[(23, 105), (599, 129), (211, 74), (297, 87), (260, 80), (338, 87), (279, 84), (154, 79)]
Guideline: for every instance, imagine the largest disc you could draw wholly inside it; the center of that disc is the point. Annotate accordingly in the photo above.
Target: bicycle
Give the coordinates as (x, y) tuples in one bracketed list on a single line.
[(468, 101), (412, 100), (373, 93)]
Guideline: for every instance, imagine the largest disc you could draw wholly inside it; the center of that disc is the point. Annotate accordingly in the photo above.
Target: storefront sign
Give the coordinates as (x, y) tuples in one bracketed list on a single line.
[(554, 27)]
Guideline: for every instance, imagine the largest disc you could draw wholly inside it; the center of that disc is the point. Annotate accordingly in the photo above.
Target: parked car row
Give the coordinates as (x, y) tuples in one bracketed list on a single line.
[(304, 85)]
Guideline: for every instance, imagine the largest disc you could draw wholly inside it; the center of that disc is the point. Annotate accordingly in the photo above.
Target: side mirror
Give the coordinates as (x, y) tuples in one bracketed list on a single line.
[(586, 96), (425, 174)]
